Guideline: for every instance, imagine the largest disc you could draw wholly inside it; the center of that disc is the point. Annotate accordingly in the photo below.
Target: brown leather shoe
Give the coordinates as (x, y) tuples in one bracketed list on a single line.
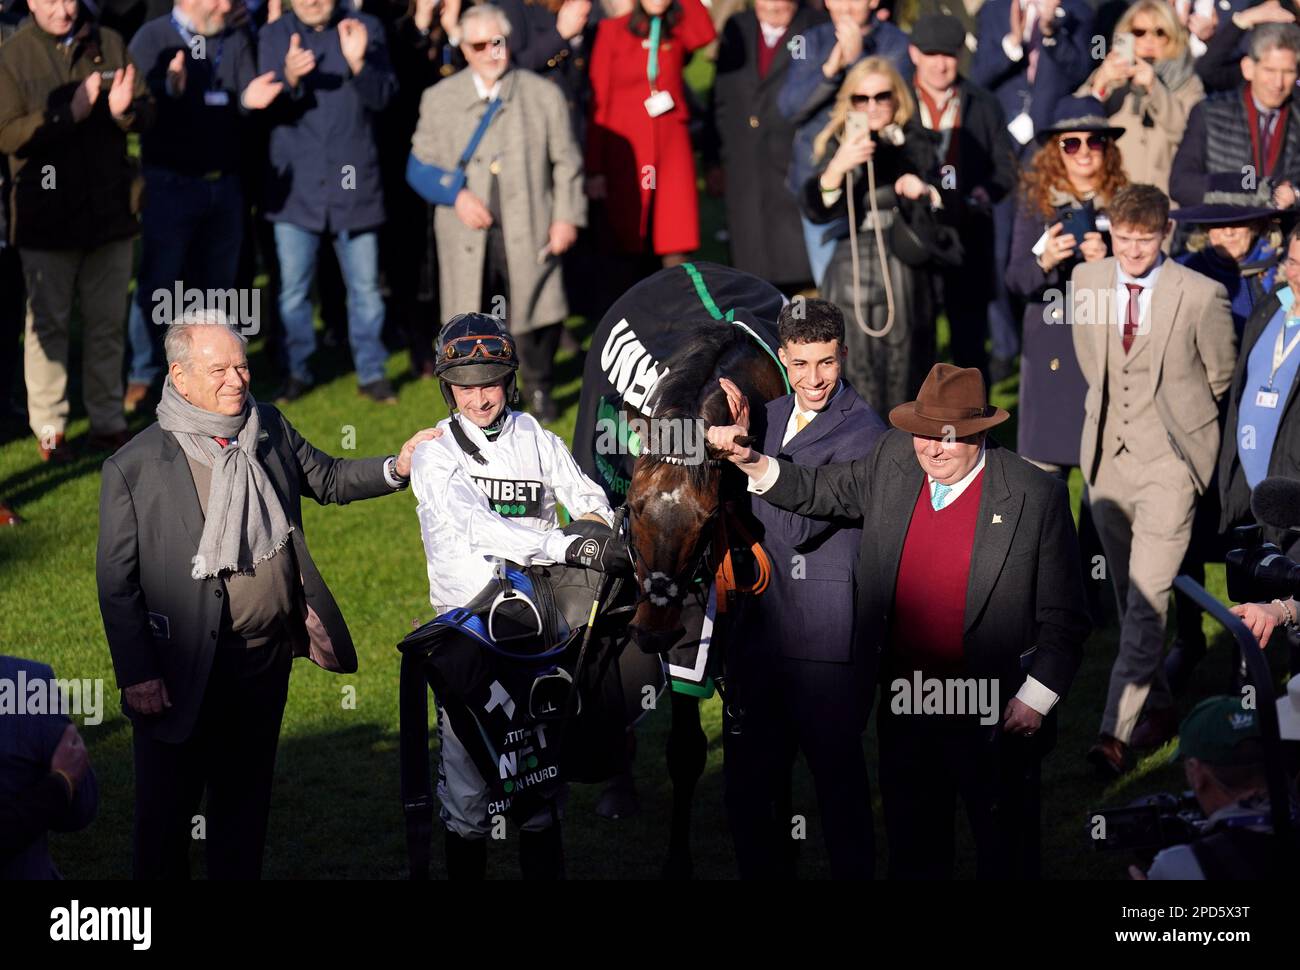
[(8, 516), (1109, 756), (136, 394), (1155, 729), (108, 442), (57, 453)]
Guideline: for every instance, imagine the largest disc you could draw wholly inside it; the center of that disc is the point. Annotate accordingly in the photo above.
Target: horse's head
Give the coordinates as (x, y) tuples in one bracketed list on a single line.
[(677, 485), (671, 508)]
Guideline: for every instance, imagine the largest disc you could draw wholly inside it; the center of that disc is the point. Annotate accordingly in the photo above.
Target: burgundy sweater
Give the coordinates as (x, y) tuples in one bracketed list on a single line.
[(930, 593)]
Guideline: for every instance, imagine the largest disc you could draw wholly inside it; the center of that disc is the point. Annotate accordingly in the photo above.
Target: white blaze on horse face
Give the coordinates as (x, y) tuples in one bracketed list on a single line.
[(672, 498), (664, 582)]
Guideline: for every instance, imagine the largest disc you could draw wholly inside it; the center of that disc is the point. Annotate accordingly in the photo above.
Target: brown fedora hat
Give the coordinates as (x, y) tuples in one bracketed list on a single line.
[(952, 403)]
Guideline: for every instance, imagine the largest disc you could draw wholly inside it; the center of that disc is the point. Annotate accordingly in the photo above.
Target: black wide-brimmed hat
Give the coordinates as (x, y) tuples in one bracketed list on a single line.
[(1078, 114), (1226, 203)]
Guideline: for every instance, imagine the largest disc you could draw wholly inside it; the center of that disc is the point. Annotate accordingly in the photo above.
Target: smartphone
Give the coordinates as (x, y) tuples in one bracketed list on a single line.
[(107, 75), (1079, 223), (855, 123), (1126, 47)]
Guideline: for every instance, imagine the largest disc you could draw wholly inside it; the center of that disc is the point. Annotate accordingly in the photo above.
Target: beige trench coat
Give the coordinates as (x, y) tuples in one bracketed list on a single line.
[(1148, 150), (531, 139)]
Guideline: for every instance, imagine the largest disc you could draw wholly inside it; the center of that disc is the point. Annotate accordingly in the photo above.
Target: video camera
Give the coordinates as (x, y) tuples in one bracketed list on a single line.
[(1257, 570), (1146, 825)]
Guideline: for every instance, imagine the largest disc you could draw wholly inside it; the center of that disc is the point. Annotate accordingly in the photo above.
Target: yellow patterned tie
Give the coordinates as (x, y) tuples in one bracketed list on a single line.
[(800, 422)]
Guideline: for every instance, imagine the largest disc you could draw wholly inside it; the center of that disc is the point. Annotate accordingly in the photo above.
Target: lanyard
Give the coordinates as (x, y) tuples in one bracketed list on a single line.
[(652, 60), (188, 37), (1280, 355)]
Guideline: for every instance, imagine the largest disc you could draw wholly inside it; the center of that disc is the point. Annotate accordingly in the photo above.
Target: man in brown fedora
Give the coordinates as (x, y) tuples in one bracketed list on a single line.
[(969, 589)]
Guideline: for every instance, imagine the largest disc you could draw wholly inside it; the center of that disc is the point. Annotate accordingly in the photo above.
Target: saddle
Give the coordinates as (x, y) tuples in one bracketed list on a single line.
[(505, 671)]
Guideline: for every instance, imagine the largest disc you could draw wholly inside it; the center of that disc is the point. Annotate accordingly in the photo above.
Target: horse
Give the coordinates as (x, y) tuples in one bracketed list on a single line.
[(676, 499)]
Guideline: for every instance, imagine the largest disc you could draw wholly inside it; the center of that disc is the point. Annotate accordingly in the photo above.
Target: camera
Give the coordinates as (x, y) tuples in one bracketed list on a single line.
[(1146, 825), (1257, 570)]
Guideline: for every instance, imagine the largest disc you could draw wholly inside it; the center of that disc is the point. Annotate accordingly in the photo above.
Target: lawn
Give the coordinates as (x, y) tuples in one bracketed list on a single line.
[(336, 812)]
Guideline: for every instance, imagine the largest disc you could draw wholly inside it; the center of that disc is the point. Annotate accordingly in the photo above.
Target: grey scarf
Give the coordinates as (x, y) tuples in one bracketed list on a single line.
[(245, 522)]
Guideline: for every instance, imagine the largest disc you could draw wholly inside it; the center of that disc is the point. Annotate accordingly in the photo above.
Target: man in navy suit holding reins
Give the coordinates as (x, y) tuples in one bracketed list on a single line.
[(798, 681)]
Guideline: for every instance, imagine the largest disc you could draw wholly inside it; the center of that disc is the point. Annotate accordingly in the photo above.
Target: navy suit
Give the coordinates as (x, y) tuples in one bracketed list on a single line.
[(797, 675), (1063, 64)]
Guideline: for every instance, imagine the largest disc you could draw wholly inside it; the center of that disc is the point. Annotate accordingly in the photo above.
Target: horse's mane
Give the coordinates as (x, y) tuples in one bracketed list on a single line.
[(690, 389)]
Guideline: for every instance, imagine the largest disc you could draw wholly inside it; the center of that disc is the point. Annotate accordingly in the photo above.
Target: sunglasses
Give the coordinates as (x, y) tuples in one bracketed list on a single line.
[(862, 100), (478, 46), (1072, 145), (466, 348), (1142, 32)]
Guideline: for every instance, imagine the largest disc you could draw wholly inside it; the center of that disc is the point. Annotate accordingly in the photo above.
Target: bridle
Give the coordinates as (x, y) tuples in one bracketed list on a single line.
[(708, 566), (661, 590)]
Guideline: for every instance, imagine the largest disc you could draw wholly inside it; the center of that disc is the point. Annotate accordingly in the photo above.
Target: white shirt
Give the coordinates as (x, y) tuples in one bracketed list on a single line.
[(792, 426), (771, 35), (1033, 693), (961, 485), (528, 468), (1148, 284), (486, 93)]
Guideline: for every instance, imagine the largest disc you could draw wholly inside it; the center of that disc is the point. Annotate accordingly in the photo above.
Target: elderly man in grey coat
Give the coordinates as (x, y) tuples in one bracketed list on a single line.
[(499, 246), (208, 591)]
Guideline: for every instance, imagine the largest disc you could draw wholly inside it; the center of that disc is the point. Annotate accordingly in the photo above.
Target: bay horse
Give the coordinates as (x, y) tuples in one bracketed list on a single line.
[(675, 501)]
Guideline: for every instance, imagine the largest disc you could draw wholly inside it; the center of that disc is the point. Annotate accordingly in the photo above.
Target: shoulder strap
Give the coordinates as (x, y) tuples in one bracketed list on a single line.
[(462, 439), (477, 137)]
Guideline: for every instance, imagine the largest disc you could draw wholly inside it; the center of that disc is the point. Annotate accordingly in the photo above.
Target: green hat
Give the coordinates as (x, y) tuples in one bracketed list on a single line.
[(1215, 729)]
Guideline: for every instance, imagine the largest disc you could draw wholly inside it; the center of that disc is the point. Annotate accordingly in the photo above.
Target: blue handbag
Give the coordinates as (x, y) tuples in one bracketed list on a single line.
[(440, 186)]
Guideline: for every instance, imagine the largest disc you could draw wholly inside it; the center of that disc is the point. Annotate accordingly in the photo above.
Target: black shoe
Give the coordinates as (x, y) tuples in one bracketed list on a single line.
[(541, 854), (543, 407), (1000, 368), (466, 858), (291, 390), (379, 391)]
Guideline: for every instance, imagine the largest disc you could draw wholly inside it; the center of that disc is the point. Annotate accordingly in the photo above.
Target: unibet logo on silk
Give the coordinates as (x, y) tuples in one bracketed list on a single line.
[(513, 498)]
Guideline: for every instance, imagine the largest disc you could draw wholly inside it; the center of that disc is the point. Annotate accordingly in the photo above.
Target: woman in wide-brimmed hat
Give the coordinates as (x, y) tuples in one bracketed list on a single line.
[(1235, 238), (1078, 165)]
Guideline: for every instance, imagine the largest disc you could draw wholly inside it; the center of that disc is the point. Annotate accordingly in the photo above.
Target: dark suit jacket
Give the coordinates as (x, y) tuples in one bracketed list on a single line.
[(1062, 65), (753, 141), (1025, 611), (807, 611), (1284, 460), (162, 623)]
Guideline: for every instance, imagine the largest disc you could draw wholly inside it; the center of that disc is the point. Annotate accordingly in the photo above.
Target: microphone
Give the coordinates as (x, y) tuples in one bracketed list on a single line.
[(1276, 502), (893, 134)]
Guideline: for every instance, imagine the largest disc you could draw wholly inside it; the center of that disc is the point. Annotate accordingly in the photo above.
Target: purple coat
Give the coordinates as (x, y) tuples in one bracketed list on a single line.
[(808, 608)]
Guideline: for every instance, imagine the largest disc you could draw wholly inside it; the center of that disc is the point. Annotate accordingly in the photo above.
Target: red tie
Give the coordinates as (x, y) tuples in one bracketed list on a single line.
[(1134, 310), (225, 441)]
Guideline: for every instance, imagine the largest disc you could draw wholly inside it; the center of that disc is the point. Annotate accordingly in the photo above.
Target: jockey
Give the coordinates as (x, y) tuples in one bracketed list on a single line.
[(487, 490)]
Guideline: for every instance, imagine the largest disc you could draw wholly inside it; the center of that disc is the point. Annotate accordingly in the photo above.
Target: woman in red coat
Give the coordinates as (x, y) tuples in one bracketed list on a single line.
[(639, 156)]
